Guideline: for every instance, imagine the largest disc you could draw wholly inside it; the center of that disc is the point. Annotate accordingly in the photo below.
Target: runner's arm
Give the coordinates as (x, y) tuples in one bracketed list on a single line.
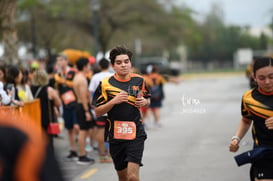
[(243, 127), (58, 79), (69, 83), (101, 110), (240, 133), (104, 108), (61, 80)]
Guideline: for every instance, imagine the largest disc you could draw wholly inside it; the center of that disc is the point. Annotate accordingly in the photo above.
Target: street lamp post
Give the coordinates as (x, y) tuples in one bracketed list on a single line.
[(95, 6), (33, 36)]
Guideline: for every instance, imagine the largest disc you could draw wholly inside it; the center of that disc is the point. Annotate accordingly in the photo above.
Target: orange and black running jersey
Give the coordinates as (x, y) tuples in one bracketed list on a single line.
[(127, 111), (258, 106), (66, 77)]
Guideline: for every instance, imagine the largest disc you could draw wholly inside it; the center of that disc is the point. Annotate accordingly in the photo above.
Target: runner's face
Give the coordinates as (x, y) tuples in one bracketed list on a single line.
[(61, 62), (19, 78), (87, 68), (122, 65), (264, 78)]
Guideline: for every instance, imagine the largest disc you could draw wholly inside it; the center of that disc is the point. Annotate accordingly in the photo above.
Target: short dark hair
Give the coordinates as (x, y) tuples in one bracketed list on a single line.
[(155, 69), (261, 62), (104, 64), (119, 50), (81, 63)]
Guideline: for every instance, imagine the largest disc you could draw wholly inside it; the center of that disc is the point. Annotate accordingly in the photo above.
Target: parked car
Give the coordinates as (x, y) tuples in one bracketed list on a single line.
[(161, 62)]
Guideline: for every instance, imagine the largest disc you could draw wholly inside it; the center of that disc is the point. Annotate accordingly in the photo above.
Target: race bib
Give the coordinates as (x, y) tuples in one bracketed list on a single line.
[(68, 97), (124, 130)]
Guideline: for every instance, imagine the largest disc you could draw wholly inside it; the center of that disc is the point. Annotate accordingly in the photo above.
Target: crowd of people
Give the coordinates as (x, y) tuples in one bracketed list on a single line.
[(109, 109), (93, 105), (25, 153)]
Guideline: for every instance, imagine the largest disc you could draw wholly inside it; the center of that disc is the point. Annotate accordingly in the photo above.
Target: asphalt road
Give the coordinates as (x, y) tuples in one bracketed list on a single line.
[(199, 118)]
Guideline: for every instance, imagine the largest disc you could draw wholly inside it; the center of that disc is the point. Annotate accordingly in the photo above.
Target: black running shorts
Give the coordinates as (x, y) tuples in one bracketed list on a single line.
[(127, 151), (84, 125), (263, 169), (101, 121)]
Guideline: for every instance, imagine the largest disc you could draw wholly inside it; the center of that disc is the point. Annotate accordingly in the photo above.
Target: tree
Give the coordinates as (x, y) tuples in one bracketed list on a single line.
[(50, 26), (263, 41), (159, 24), (9, 31), (72, 26)]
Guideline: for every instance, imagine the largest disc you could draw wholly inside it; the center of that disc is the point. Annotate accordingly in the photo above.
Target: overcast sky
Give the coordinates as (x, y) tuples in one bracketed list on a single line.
[(256, 13)]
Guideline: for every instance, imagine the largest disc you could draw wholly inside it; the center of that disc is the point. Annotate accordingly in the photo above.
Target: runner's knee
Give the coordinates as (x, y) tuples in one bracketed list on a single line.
[(133, 177)]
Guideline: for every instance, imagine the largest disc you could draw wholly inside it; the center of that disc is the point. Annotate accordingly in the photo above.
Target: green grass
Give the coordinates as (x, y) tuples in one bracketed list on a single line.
[(214, 73)]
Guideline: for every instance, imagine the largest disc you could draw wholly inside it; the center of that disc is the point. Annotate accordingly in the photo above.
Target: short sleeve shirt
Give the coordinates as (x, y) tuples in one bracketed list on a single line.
[(258, 106), (126, 111)]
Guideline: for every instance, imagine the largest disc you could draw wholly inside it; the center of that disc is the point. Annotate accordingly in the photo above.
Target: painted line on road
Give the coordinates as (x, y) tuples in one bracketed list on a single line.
[(89, 173)]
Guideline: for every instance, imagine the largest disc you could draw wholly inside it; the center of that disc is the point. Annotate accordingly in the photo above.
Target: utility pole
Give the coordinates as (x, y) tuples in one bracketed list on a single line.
[(95, 6), (33, 36)]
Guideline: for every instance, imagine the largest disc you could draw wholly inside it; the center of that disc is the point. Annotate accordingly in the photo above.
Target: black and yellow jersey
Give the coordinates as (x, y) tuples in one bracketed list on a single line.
[(157, 79), (258, 106), (127, 111), (64, 80), (64, 85)]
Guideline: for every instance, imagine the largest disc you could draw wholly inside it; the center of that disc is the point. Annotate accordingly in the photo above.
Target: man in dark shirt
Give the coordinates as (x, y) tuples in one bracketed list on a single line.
[(121, 96)]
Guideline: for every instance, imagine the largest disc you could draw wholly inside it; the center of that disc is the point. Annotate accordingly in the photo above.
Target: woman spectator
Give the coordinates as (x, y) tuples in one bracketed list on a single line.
[(48, 97), (23, 87), (14, 77), (5, 96)]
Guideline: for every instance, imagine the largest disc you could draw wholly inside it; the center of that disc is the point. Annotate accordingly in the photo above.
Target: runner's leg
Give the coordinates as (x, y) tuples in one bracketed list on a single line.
[(133, 171), (122, 175)]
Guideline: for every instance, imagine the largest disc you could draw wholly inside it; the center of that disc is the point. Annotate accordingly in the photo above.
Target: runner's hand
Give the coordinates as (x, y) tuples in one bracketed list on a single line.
[(269, 123), (141, 102), (234, 145), (88, 116), (120, 97)]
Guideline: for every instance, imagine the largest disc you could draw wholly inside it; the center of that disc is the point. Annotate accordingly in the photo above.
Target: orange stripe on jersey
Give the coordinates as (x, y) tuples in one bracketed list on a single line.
[(260, 110), (256, 107)]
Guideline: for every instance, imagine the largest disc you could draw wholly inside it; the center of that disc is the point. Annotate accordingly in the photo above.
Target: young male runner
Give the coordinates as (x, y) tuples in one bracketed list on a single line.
[(121, 96), (64, 84)]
